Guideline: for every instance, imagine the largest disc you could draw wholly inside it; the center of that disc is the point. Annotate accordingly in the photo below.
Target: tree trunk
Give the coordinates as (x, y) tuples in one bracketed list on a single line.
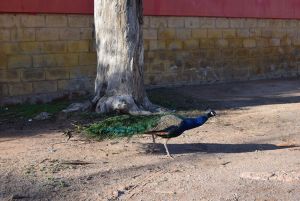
[(119, 86)]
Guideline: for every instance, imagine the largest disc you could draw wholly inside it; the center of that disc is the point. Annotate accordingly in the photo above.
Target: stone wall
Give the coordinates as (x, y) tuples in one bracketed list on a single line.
[(45, 56), (50, 56), (190, 50)]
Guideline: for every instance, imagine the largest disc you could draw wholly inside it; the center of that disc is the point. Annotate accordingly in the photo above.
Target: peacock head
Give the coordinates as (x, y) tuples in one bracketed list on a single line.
[(211, 113)]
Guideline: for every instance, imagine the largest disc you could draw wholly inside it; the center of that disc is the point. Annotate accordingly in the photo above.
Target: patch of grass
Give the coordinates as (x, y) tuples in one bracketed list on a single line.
[(31, 110)]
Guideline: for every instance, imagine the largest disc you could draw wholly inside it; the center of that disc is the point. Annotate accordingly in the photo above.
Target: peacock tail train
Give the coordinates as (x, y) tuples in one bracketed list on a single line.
[(128, 125)]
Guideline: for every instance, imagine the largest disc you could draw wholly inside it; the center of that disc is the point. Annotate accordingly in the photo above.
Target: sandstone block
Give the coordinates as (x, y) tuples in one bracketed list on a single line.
[(222, 43), (55, 60), (9, 76), (65, 85), (255, 32), (78, 85), (192, 22), (146, 22), (206, 22), (158, 22), (175, 22), (83, 72), (168, 33), (227, 53), (31, 47), (222, 23), (19, 61), (236, 42), (88, 59), (47, 34), (237, 23), (23, 88), (241, 52), (44, 87), (290, 23), (207, 43), (278, 33), (262, 23), (56, 20), (69, 34), (157, 45), (175, 45), (33, 20), (3, 61), (292, 32), (93, 46), (9, 48), (3, 90), (183, 33), (244, 33), (54, 47), (199, 33), (267, 33), (276, 23), (249, 43), (78, 46), (275, 42), (229, 33), (33, 75), (251, 23), (214, 33), (150, 33), (295, 42), (262, 42), (4, 35), (23, 34), (86, 33), (57, 74), (146, 45), (79, 21), (191, 44), (285, 42), (8, 20)]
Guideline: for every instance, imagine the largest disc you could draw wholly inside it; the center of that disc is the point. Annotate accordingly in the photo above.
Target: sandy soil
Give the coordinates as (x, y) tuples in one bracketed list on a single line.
[(248, 152)]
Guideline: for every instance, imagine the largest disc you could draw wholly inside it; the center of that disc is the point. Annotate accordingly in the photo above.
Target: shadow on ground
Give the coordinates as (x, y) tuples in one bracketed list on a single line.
[(228, 96), (186, 100), (216, 148)]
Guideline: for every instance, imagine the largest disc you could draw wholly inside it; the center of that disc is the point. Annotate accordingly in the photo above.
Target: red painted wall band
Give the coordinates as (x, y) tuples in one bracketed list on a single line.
[(284, 9), (47, 6)]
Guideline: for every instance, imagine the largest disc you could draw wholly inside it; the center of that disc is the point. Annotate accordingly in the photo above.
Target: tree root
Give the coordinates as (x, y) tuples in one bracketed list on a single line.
[(125, 104)]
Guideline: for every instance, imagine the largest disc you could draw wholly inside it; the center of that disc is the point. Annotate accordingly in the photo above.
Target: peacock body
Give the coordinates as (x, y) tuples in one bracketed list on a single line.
[(164, 126)]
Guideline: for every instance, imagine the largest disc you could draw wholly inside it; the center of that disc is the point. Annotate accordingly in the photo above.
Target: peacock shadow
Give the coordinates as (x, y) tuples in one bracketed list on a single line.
[(213, 148)]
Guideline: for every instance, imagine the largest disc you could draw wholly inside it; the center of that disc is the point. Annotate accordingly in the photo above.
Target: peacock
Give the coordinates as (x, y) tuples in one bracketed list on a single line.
[(164, 126)]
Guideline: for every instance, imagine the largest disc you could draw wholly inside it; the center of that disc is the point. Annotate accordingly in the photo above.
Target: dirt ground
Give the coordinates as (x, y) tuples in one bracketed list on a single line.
[(250, 151)]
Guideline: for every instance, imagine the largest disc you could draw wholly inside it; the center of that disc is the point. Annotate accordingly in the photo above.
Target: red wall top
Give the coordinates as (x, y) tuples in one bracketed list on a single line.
[(47, 6), (225, 8), (213, 8)]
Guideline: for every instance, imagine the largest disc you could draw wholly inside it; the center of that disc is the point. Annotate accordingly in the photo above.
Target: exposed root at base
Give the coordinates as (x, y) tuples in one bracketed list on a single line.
[(125, 104)]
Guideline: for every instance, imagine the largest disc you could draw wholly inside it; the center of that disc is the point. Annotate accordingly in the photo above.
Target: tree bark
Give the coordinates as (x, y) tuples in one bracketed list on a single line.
[(119, 85)]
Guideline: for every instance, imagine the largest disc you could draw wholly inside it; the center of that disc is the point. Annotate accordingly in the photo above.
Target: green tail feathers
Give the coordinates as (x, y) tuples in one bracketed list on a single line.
[(122, 126)]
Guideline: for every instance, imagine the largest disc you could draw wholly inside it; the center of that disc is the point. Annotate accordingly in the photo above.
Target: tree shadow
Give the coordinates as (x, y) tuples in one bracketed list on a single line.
[(214, 148), (185, 99), (228, 95)]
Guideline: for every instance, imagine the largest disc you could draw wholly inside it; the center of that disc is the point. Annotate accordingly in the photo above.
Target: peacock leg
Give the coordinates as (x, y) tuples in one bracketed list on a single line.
[(153, 145), (153, 138), (166, 147)]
